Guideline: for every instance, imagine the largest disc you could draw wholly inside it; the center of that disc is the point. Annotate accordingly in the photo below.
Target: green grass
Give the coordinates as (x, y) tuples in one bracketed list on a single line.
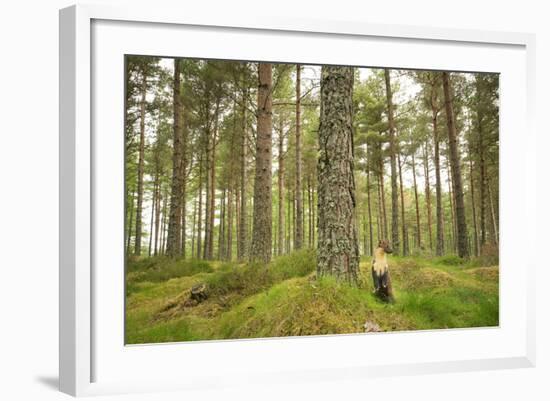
[(285, 299)]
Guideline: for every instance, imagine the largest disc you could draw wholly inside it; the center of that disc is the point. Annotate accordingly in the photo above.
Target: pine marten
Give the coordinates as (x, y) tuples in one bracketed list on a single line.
[(380, 270)]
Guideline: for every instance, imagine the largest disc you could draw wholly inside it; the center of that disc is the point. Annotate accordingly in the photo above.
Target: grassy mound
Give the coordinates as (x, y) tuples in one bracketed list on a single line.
[(285, 299)]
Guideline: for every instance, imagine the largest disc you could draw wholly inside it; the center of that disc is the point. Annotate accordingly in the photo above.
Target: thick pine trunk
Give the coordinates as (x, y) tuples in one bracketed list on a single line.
[(456, 170), (262, 225), (157, 219), (153, 205), (173, 246), (382, 196), (393, 166), (338, 248)]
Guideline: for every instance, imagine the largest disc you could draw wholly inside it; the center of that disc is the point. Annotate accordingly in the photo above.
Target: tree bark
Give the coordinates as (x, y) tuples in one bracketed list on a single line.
[(456, 169), (298, 185), (428, 194), (338, 248), (417, 208), (440, 239), (173, 245), (242, 248), (280, 193), (369, 210), (393, 166), (473, 200), (130, 223), (261, 231), (404, 232)]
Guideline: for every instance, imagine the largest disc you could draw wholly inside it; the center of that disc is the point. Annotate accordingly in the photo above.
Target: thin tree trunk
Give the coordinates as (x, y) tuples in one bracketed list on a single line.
[(193, 232), (393, 166), (280, 193), (141, 162), (212, 198), (440, 244), (153, 201), (261, 231), (473, 200), (338, 248), (242, 249), (199, 216), (428, 194), (157, 217), (452, 207), (221, 228), (456, 169), (298, 185), (404, 232), (417, 208), (369, 210)]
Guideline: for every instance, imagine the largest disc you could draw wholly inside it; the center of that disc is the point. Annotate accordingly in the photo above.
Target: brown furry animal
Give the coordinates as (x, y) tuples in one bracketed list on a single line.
[(380, 271)]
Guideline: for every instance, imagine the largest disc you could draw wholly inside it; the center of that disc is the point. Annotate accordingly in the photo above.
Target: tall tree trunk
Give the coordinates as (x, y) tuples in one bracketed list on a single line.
[(453, 231), (482, 182), (456, 169), (417, 208), (298, 186), (404, 232), (153, 204), (193, 232), (428, 194), (163, 225), (243, 224), (338, 247), (473, 200), (393, 166), (199, 216), (141, 162), (261, 231), (184, 174), (440, 244), (212, 181), (221, 228), (173, 246), (280, 193), (369, 210), (382, 196), (157, 218), (310, 213)]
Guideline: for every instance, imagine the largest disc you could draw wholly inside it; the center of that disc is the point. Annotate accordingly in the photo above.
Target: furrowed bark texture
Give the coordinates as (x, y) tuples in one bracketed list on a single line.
[(174, 221), (261, 229), (460, 214), (338, 247)]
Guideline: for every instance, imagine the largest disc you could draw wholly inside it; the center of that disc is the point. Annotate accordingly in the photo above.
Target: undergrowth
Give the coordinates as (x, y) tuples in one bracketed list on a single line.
[(285, 299)]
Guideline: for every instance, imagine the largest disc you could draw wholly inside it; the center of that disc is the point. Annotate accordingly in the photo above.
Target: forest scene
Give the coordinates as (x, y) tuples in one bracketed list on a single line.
[(273, 200)]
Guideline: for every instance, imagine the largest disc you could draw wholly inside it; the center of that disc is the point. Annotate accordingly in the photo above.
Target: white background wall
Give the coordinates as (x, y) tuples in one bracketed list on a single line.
[(29, 186)]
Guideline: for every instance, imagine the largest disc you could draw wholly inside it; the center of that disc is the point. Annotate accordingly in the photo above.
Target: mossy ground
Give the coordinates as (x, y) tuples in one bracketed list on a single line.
[(285, 299)]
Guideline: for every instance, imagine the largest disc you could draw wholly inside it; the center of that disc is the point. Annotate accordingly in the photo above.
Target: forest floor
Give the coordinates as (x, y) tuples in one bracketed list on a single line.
[(285, 299)]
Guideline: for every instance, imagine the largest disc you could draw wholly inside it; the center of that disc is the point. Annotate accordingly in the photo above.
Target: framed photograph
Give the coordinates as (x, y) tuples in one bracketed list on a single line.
[(279, 200)]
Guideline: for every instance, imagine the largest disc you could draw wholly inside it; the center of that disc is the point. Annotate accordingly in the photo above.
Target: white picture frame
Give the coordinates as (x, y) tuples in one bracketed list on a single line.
[(92, 359)]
